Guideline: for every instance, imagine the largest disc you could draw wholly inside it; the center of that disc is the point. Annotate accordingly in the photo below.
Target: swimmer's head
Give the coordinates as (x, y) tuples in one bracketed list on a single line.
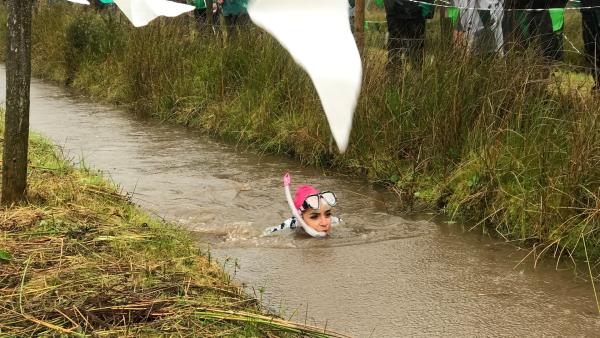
[(315, 207), (302, 193)]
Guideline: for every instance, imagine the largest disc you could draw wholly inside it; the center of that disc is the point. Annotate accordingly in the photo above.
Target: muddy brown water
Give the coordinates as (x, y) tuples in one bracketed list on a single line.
[(380, 274)]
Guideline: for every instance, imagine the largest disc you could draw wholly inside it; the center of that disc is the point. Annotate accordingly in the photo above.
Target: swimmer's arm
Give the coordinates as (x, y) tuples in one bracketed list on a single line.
[(336, 220), (289, 223)]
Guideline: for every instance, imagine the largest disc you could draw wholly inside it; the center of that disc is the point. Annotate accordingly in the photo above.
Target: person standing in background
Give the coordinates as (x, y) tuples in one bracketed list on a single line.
[(541, 30), (200, 13), (406, 32), (480, 25), (534, 26), (590, 19), (235, 14)]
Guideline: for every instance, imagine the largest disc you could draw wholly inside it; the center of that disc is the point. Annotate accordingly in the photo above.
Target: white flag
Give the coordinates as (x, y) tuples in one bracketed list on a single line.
[(141, 12), (317, 34)]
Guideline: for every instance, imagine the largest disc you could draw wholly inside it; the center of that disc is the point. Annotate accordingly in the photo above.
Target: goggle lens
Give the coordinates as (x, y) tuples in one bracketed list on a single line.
[(312, 201), (329, 197)]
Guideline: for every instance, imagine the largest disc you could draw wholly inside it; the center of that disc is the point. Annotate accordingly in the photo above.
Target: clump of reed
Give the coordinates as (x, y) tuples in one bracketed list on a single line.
[(78, 259), (510, 143)]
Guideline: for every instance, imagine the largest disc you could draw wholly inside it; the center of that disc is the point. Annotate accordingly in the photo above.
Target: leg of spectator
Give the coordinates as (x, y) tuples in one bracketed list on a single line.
[(394, 45), (557, 44), (541, 32), (497, 15), (541, 28), (230, 22), (509, 28), (471, 24), (244, 21), (215, 18), (590, 19), (413, 41), (201, 19)]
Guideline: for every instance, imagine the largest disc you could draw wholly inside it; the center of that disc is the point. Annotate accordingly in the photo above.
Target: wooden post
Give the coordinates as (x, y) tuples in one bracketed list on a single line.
[(16, 125), (359, 24)]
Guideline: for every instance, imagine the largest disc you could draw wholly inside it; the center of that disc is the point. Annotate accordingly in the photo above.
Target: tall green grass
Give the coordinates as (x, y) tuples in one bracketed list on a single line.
[(511, 144)]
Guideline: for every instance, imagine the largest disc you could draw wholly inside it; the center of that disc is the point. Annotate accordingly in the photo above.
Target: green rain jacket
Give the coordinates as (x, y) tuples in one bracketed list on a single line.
[(234, 7), (200, 4)]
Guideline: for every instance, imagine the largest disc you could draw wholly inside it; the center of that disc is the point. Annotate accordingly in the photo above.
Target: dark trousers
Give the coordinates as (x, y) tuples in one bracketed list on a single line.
[(406, 38), (235, 22), (201, 18), (542, 35), (590, 19), (538, 28)]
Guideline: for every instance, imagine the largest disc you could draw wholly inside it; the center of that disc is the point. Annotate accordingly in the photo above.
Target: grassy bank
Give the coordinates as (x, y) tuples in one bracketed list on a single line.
[(79, 259), (511, 144)]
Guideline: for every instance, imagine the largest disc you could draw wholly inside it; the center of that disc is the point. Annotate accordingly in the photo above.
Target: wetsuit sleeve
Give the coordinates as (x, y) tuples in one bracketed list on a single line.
[(289, 223)]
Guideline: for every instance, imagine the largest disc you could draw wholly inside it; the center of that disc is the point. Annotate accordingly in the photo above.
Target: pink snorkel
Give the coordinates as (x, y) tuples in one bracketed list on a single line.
[(287, 181)]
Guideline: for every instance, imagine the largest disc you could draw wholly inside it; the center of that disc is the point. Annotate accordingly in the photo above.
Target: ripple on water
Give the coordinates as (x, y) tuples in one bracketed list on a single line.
[(352, 231)]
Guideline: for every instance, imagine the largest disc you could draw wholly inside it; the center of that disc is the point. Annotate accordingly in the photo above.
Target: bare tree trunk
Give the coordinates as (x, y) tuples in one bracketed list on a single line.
[(18, 76), (359, 24)]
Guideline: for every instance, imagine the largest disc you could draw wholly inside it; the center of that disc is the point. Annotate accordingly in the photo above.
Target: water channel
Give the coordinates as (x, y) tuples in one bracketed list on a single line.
[(380, 274)]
